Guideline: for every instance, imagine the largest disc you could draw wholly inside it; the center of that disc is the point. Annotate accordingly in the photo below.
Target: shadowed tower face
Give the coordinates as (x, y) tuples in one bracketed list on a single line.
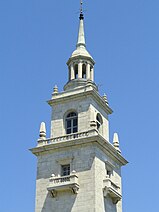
[(78, 168)]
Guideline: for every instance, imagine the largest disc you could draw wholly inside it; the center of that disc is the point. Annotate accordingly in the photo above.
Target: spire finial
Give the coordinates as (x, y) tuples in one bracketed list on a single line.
[(81, 37), (81, 10), (81, 6)]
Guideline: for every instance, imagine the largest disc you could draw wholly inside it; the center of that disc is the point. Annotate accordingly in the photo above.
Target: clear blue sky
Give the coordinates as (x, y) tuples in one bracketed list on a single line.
[(36, 39)]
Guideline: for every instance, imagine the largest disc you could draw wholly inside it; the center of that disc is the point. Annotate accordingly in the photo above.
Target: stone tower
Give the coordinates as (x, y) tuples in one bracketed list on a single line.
[(78, 169)]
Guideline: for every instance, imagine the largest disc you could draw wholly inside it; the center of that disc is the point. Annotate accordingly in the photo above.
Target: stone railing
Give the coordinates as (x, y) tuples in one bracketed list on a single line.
[(68, 137), (59, 180), (112, 190), (62, 183)]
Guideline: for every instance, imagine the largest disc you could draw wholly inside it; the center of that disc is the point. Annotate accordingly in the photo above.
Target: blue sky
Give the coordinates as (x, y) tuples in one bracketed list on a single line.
[(36, 39)]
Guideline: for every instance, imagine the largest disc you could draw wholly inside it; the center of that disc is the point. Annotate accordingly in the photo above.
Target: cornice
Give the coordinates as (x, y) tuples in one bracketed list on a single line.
[(78, 57), (79, 93), (96, 139)]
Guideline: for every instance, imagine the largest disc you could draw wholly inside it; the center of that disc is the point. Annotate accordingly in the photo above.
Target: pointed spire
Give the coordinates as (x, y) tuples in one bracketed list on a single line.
[(116, 142), (81, 37), (81, 44)]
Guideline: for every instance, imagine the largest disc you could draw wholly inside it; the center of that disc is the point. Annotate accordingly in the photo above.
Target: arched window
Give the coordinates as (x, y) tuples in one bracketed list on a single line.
[(84, 71), (71, 123), (99, 121)]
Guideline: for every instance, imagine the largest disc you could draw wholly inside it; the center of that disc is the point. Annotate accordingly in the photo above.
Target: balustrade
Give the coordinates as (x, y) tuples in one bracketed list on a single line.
[(69, 137)]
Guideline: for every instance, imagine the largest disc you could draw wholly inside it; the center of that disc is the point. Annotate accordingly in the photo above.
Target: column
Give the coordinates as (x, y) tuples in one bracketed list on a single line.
[(88, 71), (92, 73), (79, 70), (72, 72)]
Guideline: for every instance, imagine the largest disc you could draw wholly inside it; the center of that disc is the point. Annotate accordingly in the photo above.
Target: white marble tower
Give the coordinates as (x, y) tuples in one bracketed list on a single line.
[(78, 169)]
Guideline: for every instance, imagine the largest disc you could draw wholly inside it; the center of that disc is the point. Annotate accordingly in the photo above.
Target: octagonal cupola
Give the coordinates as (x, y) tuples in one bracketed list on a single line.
[(81, 63)]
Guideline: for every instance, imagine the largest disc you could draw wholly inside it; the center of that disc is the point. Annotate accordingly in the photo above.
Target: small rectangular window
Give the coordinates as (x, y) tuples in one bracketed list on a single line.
[(65, 170)]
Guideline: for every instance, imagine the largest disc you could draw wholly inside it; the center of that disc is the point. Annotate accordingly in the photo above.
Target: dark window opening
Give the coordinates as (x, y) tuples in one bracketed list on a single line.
[(99, 121), (76, 71), (84, 71), (65, 170), (109, 173)]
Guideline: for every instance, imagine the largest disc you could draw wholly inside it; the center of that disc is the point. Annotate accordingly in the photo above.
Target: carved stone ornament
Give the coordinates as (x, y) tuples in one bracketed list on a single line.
[(116, 197), (75, 189), (53, 193)]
